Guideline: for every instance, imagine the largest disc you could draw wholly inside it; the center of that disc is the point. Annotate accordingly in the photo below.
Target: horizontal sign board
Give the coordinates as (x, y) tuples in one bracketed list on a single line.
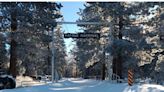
[(82, 35)]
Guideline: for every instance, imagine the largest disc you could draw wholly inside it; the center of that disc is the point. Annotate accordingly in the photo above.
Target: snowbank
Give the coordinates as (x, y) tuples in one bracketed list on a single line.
[(22, 81), (24, 78)]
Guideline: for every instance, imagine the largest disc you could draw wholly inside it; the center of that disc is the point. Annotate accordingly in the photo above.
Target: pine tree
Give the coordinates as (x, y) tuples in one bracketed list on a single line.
[(31, 36), (125, 31)]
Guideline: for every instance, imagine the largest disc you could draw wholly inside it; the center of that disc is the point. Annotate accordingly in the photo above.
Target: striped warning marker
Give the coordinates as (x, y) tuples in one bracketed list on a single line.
[(130, 77)]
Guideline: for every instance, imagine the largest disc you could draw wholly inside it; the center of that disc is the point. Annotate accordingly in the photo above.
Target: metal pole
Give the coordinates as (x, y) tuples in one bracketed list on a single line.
[(84, 23), (53, 52), (110, 41)]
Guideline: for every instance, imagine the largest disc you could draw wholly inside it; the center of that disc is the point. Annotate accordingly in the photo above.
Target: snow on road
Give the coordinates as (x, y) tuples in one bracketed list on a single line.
[(83, 85)]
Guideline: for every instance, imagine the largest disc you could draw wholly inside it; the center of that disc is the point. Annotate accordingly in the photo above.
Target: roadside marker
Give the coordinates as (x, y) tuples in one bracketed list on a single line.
[(130, 77)]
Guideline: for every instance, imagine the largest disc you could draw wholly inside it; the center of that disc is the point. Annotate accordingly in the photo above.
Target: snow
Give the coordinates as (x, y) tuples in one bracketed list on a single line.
[(26, 81), (88, 85)]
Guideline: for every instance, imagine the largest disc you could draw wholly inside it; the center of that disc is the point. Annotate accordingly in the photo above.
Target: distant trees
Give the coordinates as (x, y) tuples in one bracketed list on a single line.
[(60, 52)]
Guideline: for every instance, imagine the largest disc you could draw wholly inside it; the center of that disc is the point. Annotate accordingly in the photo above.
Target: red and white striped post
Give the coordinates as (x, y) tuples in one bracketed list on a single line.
[(130, 77)]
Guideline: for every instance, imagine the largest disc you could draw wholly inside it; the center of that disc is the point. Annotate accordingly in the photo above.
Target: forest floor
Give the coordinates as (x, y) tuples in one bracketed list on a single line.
[(88, 85)]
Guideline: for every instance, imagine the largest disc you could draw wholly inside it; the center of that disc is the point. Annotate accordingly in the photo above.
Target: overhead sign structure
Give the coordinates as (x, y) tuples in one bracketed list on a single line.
[(69, 35), (82, 35)]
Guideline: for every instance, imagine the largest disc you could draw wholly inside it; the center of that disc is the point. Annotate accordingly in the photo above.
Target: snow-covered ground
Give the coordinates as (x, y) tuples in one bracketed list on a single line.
[(84, 85)]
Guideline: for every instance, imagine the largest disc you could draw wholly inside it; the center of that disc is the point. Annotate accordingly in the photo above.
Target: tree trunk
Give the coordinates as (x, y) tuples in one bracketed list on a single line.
[(13, 58), (117, 60), (48, 71), (117, 65), (103, 71), (114, 65), (13, 44), (120, 61), (103, 64)]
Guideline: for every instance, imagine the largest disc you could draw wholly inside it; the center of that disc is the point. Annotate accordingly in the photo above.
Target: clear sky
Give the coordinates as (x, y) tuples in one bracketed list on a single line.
[(69, 12)]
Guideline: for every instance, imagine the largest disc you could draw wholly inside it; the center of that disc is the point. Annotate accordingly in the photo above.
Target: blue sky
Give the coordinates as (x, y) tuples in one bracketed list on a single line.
[(69, 12)]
